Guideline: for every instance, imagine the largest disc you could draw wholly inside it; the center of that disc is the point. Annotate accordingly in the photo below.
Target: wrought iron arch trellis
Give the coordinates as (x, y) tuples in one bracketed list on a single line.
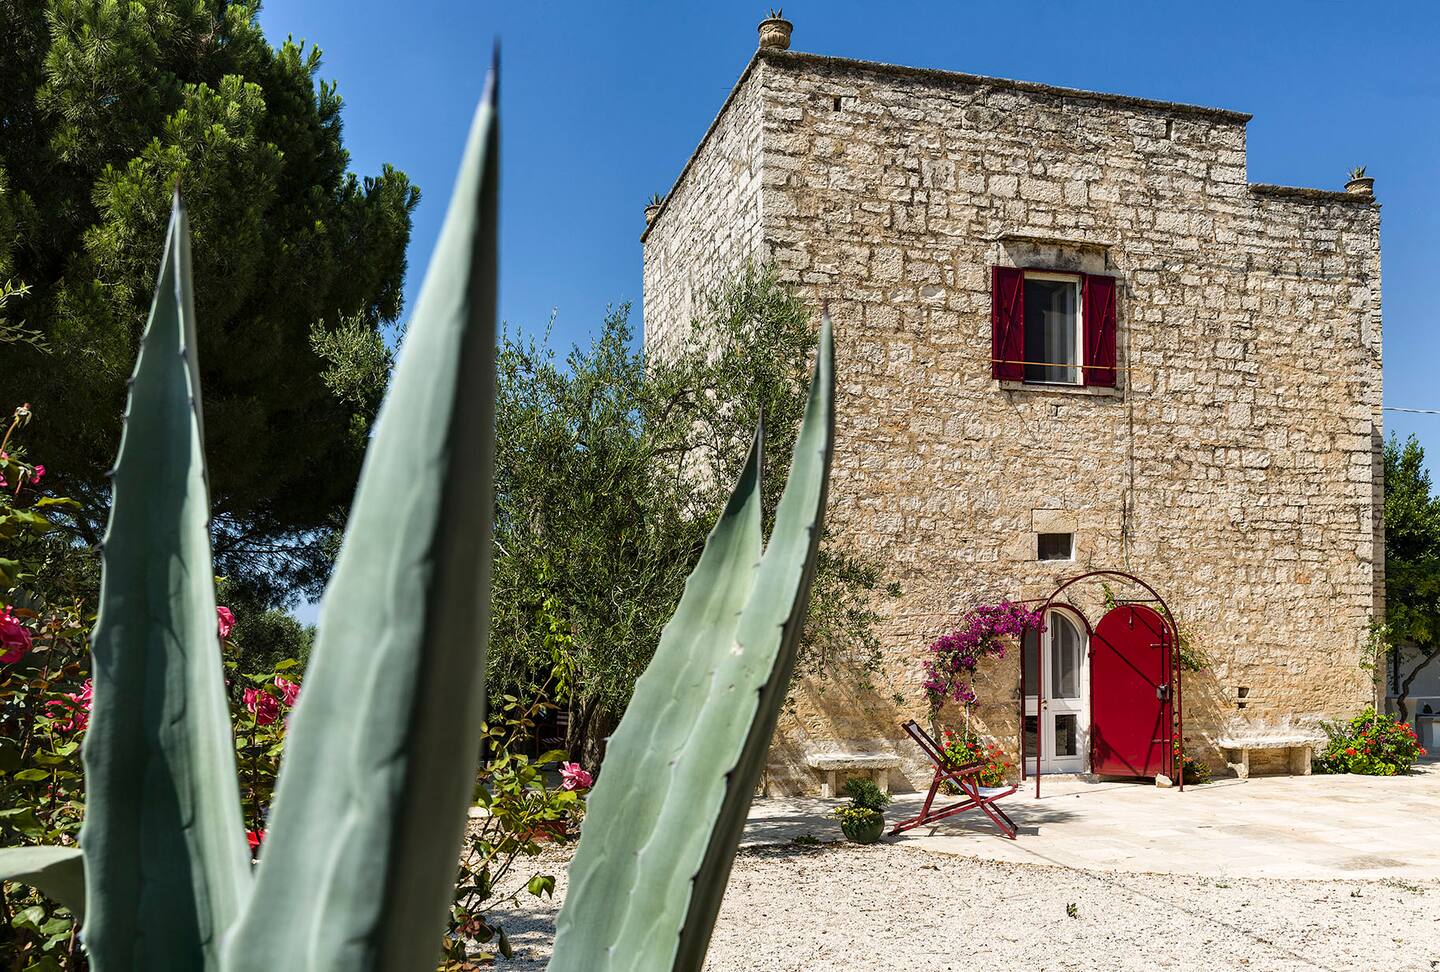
[(1166, 618)]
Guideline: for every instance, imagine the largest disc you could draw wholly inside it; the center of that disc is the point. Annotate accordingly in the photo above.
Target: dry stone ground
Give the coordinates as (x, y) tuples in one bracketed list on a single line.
[(796, 908)]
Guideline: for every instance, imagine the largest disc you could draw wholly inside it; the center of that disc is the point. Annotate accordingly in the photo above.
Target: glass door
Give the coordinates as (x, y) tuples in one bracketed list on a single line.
[(1060, 714)]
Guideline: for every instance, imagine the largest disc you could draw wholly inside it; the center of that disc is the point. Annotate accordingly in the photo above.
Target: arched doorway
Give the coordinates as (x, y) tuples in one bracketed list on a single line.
[(1057, 694), (1130, 725)]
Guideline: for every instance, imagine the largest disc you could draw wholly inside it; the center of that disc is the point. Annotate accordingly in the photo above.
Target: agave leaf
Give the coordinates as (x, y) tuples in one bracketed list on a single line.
[(359, 861), (666, 816), (57, 872), (168, 869)]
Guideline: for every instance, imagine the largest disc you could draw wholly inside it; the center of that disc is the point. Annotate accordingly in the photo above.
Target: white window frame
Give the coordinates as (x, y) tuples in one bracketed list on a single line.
[(1078, 279)]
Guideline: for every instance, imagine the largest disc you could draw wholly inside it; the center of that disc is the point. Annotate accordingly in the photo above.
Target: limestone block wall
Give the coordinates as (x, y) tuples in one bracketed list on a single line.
[(1236, 465), (710, 223)]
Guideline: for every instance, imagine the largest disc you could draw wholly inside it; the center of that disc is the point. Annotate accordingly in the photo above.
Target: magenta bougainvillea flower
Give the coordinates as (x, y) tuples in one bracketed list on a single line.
[(264, 706), (226, 621), (988, 631), (289, 691), (15, 638), (35, 474), (574, 777)]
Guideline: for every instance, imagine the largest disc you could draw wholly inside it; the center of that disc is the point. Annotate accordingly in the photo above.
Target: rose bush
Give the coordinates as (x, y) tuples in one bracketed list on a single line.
[(44, 698), (996, 771), (1370, 745)]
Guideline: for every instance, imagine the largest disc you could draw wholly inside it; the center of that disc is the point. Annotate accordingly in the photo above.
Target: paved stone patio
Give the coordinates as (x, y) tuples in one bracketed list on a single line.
[(1296, 827)]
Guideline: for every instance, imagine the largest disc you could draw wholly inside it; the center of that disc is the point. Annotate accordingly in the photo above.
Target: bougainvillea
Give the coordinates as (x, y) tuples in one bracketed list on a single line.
[(989, 630)]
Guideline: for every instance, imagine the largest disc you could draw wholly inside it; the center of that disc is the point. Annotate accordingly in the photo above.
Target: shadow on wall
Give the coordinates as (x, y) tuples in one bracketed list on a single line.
[(850, 710)]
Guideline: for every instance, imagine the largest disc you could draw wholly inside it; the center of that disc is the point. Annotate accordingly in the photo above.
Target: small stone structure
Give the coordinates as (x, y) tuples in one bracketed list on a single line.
[(1235, 464), (1298, 750), (831, 764)]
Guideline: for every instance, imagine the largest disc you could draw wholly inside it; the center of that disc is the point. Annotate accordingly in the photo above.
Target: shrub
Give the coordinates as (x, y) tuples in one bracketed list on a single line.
[(962, 750), (866, 804), (524, 808), (1369, 745)]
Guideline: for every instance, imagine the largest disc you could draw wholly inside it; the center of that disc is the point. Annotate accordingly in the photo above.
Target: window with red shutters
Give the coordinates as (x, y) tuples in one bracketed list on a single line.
[(1052, 327), (1099, 320), (1007, 323)]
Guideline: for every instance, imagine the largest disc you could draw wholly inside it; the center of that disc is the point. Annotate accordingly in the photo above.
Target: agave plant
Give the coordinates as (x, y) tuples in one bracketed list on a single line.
[(370, 808)]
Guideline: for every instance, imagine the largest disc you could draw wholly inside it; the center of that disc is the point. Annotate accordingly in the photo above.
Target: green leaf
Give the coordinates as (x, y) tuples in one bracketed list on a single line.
[(168, 868), (57, 872), (541, 884), (665, 817), (370, 809), (286, 664), (32, 775)]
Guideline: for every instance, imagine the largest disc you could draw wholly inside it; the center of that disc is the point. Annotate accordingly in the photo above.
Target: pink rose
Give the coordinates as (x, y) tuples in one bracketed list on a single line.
[(14, 637), (575, 778), (73, 711), (226, 621), (289, 691), (264, 706)]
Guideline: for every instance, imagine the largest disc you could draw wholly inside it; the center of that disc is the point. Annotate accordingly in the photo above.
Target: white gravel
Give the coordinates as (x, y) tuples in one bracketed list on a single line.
[(887, 906)]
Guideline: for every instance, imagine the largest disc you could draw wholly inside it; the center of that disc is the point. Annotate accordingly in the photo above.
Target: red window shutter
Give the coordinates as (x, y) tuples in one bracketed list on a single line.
[(1007, 323), (1099, 302)]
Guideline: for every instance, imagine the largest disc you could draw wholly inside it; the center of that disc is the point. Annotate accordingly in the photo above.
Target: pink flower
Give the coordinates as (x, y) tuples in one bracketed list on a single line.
[(36, 474), (289, 691), (264, 706), (575, 777), (226, 621), (14, 636), (254, 838), (73, 710)]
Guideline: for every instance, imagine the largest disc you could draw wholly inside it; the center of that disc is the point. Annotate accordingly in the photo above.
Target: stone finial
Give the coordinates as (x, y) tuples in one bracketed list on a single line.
[(1360, 184), (775, 31)]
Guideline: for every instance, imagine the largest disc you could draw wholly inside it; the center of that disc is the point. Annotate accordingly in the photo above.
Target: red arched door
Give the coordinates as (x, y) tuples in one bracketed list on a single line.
[(1130, 703)]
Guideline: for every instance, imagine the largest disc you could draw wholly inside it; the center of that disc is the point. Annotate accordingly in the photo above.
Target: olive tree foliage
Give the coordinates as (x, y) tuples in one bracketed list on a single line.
[(611, 467), (1412, 564), (105, 108)]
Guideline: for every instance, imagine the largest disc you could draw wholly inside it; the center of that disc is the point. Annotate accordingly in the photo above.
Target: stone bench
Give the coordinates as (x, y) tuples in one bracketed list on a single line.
[(1298, 751), (832, 763)]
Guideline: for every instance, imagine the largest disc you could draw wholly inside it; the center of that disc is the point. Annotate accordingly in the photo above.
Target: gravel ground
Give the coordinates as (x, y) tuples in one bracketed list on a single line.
[(839, 906)]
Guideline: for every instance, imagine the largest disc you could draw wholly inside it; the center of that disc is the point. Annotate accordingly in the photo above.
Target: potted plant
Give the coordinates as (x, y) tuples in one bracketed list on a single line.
[(1360, 183), (862, 820), (775, 31), (652, 207)]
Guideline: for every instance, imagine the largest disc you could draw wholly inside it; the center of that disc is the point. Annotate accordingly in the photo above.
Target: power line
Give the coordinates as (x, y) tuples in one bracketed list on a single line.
[(1412, 411)]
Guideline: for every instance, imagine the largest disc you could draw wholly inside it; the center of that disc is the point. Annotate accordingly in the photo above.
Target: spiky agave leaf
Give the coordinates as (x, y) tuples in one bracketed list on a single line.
[(666, 816), (358, 867), (166, 861), (56, 872)]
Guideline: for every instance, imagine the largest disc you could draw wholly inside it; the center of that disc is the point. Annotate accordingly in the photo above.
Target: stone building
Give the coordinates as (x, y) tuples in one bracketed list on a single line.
[(1071, 335)]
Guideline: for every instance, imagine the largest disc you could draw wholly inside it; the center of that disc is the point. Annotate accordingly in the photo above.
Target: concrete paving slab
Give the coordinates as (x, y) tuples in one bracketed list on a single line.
[(1298, 827)]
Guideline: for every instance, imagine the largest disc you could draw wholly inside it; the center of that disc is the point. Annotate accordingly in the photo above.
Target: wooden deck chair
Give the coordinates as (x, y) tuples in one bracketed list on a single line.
[(965, 776)]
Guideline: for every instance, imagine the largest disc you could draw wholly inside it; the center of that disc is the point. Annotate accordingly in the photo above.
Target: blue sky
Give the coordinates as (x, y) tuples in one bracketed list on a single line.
[(603, 102)]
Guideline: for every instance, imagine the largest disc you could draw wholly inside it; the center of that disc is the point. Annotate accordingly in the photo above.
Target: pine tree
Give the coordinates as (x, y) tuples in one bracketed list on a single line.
[(105, 107)]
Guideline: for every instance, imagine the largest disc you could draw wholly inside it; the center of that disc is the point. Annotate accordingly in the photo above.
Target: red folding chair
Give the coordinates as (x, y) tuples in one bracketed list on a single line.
[(966, 776)]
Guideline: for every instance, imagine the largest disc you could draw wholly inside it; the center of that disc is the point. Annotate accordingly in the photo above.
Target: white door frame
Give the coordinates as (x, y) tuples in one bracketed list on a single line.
[(1054, 709)]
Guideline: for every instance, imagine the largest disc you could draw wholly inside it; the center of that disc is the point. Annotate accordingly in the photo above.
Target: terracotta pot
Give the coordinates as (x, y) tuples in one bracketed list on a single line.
[(863, 833), (1364, 186), (775, 33)]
